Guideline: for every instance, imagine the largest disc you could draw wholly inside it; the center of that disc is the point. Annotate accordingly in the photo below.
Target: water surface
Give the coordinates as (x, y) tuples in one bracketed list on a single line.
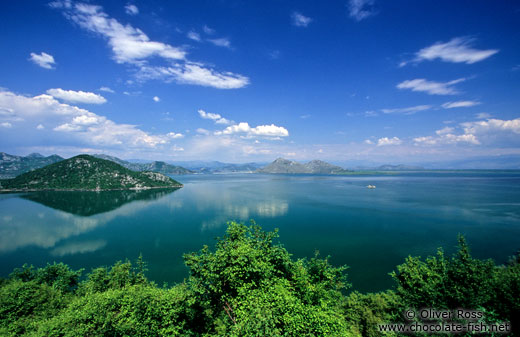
[(370, 230)]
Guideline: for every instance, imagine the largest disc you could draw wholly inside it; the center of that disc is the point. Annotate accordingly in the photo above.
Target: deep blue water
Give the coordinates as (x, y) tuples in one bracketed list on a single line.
[(370, 230)]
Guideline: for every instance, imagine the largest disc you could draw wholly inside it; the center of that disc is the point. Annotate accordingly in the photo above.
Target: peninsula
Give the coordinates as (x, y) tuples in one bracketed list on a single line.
[(86, 173)]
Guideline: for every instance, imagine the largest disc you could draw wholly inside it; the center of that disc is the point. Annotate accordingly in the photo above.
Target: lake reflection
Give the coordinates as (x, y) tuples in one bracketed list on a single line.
[(370, 230)]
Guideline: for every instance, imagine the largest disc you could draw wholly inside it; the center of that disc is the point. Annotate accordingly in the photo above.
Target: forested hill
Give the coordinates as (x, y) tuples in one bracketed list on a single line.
[(85, 172)]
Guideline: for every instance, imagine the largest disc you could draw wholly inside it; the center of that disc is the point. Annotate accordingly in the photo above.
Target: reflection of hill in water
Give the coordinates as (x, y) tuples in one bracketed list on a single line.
[(87, 203)]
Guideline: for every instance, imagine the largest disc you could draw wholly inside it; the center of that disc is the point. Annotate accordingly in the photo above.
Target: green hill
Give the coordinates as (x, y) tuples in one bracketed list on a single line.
[(85, 172)]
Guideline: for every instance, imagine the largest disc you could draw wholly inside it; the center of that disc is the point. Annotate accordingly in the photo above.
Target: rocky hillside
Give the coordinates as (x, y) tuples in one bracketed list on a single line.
[(85, 172), (156, 166), (282, 165), (11, 166)]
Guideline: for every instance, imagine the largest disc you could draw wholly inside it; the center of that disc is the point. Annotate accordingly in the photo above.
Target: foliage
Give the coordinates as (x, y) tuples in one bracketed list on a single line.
[(85, 172), (248, 286), (460, 282)]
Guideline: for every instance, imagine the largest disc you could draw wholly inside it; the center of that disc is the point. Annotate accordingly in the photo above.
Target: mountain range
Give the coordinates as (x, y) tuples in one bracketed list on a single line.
[(86, 172), (11, 166), (282, 165), (156, 166)]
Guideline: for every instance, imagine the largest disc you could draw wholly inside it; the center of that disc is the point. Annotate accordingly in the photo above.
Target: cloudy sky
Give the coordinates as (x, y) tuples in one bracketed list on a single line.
[(240, 81)]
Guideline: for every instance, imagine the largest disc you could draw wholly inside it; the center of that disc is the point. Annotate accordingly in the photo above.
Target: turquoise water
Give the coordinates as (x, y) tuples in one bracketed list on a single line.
[(370, 230)]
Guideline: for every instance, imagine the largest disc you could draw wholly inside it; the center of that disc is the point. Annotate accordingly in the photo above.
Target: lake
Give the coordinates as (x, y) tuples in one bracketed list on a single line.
[(370, 230)]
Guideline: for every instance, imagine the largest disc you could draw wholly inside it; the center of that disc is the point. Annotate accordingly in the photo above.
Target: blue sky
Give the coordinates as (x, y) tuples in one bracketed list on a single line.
[(240, 81)]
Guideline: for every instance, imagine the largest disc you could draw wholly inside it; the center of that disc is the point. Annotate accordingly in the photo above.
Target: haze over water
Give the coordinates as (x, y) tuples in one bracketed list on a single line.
[(370, 230)]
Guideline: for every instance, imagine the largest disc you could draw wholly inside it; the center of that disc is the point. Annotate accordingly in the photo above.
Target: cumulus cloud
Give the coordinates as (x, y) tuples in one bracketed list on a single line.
[(389, 141), (300, 20), (6, 125), (361, 9), (77, 96), (156, 99), (132, 46), (407, 111), (131, 9), (218, 119), (431, 87), (495, 131), (504, 133), (44, 60), (457, 50), (68, 124), (261, 130), (460, 104)]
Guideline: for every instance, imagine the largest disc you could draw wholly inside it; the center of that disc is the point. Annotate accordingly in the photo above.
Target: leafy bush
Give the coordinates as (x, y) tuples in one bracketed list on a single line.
[(248, 286)]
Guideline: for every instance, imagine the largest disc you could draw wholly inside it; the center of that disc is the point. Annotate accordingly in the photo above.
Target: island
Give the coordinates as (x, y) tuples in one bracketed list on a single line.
[(86, 173), (282, 165)]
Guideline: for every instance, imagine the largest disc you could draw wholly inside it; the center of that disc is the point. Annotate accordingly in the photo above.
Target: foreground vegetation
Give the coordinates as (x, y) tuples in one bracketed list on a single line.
[(248, 286)]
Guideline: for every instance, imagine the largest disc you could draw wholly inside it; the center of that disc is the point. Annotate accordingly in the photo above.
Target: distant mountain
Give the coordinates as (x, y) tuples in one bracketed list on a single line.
[(86, 172), (156, 166), (11, 166), (282, 165), (209, 167), (398, 168)]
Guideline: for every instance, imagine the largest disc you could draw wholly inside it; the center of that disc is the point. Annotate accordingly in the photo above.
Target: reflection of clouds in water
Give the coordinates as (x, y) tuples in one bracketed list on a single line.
[(78, 248), (44, 227), (271, 209)]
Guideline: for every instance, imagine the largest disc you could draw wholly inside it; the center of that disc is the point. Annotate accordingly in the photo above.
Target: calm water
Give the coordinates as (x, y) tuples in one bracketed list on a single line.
[(370, 230)]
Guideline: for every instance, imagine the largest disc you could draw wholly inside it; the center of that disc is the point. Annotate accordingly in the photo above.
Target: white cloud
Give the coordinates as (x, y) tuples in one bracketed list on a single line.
[(221, 42), (483, 115), (40, 127), (193, 36), (493, 127), (431, 87), (131, 9), (261, 130), (460, 104), (44, 60), (203, 131), (77, 96), (107, 89), (407, 111), (156, 99), (388, 141), (505, 133), (68, 124), (457, 50), (445, 131), (174, 135), (361, 9), (194, 73), (218, 119), (300, 20), (6, 125), (208, 30), (368, 141), (132, 46)]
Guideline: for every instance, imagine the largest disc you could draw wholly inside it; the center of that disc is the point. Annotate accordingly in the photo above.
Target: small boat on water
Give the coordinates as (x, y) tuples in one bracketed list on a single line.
[(371, 186)]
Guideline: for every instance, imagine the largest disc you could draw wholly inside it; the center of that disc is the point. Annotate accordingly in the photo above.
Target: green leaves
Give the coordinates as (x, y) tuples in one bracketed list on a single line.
[(247, 286)]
